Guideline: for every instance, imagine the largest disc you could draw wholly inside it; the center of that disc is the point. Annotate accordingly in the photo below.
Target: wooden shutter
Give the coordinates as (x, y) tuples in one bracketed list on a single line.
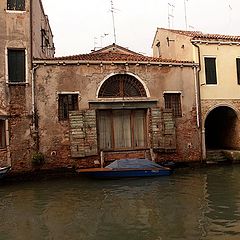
[(210, 70), (83, 133), (16, 66), (238, 70), (163, 130), (169, 130), (157, 130)]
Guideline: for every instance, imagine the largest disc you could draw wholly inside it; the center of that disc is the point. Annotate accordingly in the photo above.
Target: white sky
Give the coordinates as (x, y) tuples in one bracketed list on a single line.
[(75, 23)]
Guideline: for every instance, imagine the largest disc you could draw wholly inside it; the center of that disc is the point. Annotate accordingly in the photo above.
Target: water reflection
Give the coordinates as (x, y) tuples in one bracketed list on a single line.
[(200, 204)]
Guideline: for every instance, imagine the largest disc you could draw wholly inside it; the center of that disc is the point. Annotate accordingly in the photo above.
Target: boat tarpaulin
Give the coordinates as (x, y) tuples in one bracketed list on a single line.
[(133, 163)]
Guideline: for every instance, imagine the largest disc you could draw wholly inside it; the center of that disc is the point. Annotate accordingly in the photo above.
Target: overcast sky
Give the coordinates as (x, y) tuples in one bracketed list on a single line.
[(77, 24)]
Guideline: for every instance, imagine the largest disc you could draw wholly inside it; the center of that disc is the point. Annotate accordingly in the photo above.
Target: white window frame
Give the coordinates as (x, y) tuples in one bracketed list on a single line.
[(175, 92), (205, 79)]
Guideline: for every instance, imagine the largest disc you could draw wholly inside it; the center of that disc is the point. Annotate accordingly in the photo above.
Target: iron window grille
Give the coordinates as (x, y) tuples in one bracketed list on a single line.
[(173, 102), (16, 5), (66, 103), (122, 85)]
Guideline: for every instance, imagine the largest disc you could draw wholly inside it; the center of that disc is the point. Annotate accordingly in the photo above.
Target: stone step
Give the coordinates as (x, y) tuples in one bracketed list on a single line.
[(216, 156)]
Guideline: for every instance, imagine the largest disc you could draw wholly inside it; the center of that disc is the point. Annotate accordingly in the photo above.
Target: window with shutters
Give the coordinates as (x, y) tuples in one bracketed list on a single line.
[(2, 134), (210, 70), (16, 66), (238, 70), (16, 5), (66, 103), (173, 102), (122, 129)]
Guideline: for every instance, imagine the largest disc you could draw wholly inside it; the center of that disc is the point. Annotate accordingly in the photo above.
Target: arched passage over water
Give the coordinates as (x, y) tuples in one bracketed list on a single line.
[(221, 129)]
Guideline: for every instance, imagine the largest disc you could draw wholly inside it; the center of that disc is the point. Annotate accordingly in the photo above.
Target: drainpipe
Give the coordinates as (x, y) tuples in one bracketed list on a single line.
[(198, 102), (31, 32), (34, 117)]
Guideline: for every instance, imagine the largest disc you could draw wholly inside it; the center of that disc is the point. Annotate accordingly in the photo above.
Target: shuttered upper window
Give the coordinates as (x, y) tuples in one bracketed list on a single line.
[(16, 5), (210, 70), (16, 65), (238, 70)]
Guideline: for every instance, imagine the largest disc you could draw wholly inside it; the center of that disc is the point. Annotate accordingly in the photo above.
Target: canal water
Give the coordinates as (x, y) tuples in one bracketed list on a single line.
[(190, 204)]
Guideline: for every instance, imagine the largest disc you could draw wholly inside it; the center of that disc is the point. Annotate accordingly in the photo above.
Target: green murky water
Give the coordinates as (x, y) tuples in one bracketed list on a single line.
[(190, 204)]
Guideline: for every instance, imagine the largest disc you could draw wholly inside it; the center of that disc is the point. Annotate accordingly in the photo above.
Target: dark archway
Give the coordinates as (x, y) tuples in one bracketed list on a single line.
[(220, 128)]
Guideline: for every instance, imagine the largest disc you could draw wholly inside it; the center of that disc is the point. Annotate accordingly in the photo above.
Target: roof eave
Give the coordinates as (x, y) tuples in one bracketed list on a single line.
[(78, 62)]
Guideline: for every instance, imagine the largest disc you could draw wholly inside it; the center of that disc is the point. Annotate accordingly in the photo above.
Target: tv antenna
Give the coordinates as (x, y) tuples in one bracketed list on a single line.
[(171, 7), (113, 21), (185, 13)]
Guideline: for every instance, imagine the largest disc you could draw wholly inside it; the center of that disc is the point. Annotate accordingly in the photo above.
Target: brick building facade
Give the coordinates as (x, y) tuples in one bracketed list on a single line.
[(81, 110), (218, 81), (114, 103), (25, 33)]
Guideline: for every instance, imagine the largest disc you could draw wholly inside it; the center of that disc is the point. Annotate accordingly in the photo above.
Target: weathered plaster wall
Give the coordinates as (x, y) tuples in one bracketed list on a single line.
[(227, 86), (172, 45), (86, 78), (15, 100), (39, 22)]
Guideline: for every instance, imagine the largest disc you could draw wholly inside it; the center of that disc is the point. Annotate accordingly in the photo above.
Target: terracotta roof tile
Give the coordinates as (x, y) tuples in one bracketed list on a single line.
[(114, 57), (197, 35)]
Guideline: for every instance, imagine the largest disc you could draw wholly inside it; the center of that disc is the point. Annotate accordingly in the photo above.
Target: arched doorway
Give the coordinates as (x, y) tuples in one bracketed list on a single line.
[(122, 124), (221, 129)]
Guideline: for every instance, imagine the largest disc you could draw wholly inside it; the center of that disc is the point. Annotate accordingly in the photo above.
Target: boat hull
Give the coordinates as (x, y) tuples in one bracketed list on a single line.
[(128, 173), (4, 171)]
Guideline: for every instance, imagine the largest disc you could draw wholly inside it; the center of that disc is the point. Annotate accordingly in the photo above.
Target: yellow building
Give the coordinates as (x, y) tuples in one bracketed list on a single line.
[(218, 80)]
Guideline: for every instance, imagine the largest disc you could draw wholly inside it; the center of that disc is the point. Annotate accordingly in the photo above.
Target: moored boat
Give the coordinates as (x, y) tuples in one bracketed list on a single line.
[(4, 171), (128, 168)]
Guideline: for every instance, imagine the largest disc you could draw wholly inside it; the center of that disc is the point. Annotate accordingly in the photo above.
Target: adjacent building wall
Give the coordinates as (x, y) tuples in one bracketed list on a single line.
[(17, 32), (170, 45)]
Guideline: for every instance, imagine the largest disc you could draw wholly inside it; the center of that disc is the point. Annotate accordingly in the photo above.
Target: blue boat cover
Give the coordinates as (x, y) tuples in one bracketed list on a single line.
[(138, 163)]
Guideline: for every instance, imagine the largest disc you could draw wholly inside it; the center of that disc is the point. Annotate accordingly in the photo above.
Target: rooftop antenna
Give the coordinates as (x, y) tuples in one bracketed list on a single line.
[(102, 37), (185, 13), (171, 7), (113, 20), (95, 44)]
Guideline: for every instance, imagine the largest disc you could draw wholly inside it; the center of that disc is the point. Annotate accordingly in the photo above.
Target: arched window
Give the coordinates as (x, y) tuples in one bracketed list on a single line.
[(122, 85), (122, 128)]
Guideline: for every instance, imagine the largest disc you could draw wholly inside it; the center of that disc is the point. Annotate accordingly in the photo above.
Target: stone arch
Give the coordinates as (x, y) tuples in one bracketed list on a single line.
[(130, 84), (221, 127)]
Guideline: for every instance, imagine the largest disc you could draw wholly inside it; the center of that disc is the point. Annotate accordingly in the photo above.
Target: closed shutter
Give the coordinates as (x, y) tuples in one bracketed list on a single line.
[(83, 133), (210, 70), (157, 129), (169, 130), (163, 130), (16, 66), (238, 70)]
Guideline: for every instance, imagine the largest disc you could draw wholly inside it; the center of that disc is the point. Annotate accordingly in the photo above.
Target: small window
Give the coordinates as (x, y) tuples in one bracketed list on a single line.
[(173, 101), (210, 70), (66, 103), (238, 70), (16, 5), (16, 65), (2, 134)]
